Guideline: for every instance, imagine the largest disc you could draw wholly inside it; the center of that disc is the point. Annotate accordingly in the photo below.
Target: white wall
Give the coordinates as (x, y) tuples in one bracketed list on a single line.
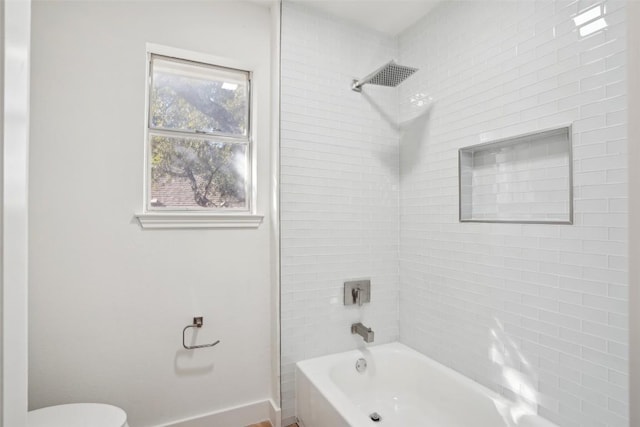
[(108, 300), (1, 198), (633, 55), (519, 308), (339, 189), (15, 29)]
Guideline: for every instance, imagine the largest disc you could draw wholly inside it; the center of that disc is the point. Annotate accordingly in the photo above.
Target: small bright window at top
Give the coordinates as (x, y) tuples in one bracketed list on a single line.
[(591, 20), (198, 147), (592, 27), (588, 15)]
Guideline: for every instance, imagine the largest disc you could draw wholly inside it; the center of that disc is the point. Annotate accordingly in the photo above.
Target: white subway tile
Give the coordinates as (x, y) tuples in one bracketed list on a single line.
[(351, 205)]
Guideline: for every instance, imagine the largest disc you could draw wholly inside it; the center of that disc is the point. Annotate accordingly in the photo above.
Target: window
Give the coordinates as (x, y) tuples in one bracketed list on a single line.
[(198, 137), (199, 147)]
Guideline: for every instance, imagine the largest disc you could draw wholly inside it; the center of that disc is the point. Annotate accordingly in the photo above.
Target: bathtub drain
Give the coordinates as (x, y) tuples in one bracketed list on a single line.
[(375, 417)]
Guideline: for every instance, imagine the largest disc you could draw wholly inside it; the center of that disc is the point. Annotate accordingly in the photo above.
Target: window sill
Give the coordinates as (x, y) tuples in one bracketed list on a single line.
[(177, 220)]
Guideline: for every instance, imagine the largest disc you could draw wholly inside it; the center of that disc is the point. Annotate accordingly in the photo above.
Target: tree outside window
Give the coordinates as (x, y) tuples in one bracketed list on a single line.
[(198, 136)]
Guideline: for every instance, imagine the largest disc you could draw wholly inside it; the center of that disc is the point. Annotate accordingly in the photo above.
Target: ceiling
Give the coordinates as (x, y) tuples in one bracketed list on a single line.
[(386, 16)]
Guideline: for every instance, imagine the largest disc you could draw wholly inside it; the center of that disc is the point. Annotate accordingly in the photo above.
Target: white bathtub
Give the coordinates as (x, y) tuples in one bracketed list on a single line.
[(406, 388)]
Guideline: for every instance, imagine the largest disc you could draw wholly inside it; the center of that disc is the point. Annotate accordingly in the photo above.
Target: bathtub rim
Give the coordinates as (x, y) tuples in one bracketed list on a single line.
[(319, 368)]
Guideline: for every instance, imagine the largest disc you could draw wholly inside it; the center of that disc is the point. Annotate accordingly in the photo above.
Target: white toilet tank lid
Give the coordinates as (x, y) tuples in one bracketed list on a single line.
[(78, 415)]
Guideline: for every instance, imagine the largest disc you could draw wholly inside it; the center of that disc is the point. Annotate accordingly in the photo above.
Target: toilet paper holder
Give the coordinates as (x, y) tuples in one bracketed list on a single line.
[(197, 323)]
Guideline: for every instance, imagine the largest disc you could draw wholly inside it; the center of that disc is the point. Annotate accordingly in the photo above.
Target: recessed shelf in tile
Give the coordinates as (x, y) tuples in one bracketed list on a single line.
[(523, 179)]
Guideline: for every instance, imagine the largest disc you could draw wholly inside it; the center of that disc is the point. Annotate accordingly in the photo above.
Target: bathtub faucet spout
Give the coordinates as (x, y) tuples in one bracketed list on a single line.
[(363, 331)]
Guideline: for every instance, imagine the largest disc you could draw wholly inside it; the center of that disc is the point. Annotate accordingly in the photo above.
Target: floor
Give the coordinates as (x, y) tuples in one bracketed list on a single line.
[(268, 424)]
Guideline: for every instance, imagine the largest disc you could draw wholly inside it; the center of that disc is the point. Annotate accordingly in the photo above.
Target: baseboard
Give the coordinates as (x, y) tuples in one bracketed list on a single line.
[(237, 416), (275, 414)]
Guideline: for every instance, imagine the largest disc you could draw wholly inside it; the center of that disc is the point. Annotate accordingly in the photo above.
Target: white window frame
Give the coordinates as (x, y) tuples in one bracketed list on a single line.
[(201, 218)]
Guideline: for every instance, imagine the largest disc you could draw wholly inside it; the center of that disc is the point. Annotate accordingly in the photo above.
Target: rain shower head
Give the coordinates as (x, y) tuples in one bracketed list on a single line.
[(390, 74)]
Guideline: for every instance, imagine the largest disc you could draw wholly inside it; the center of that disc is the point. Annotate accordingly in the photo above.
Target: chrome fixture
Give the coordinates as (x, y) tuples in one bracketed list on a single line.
[(390, 74), (197, 323), (361, 365), (357, 292), (363, 331)]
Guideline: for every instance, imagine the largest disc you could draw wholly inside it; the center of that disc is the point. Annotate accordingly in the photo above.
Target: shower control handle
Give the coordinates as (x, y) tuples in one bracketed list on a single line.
[(357, 292)]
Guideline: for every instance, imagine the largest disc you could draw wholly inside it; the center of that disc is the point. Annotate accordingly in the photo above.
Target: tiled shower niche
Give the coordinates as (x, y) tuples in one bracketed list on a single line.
[(523, 179)]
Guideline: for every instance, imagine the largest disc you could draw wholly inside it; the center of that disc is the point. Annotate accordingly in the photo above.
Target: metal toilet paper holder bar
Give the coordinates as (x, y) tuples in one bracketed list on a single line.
[(197, 323)]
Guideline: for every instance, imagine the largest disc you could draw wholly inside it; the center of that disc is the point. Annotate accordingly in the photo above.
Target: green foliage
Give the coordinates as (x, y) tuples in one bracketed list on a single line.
[(215, 170)]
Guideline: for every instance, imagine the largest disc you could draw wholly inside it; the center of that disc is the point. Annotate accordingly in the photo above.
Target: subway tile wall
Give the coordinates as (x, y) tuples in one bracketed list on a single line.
[(537, 312), (339, 189)]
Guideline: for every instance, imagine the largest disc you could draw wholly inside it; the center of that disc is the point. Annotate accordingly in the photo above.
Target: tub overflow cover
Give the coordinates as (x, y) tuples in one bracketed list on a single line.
[(375, 417), (361, 365)]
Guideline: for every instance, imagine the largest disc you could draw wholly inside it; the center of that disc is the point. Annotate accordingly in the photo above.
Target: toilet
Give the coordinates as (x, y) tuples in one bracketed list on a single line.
[(78, 415)]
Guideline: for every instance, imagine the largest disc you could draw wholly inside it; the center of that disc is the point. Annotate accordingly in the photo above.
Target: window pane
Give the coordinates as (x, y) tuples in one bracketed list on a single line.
[(194, 97), (191, 173)]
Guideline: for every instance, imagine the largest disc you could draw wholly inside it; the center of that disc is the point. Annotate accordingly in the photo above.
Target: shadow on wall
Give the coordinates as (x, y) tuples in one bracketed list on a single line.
[(187, 363), (413, 137), (388, 155), (182, 361), (412, 133)]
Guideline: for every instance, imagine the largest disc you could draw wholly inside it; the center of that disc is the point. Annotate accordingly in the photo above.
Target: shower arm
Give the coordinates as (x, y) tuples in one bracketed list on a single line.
[(356, 85)]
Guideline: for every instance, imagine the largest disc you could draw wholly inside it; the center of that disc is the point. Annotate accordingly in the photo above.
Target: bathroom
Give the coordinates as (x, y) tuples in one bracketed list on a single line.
[(101, 298)]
